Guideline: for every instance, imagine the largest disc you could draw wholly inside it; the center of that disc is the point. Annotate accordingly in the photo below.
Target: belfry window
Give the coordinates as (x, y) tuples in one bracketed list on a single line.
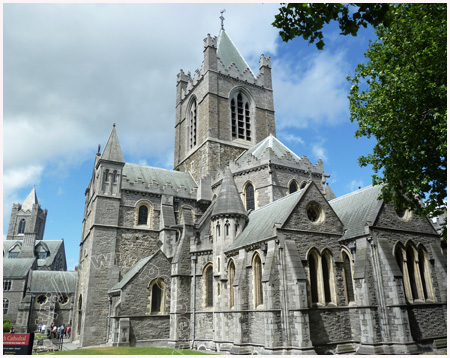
[(7, 285), (250, 197), (257, 280), (193, 124), (240, 117), (21, 226)]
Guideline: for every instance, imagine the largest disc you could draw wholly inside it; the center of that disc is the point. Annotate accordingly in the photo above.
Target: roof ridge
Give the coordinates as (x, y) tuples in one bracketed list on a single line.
[(352, 193), (162, 169)]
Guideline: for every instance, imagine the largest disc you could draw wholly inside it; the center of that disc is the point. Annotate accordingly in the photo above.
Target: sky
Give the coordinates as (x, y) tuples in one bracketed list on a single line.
[(72, 70)]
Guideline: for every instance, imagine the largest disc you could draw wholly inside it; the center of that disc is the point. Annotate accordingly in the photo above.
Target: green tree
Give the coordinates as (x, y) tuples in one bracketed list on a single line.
[(399, 96), (307, 20), (6, 325)]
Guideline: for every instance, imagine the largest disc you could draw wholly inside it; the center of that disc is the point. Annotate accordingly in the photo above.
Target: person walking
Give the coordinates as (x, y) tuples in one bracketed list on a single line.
[(68, 331)]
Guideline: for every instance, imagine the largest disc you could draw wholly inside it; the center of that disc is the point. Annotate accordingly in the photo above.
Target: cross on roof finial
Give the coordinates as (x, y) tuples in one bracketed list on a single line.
[(222, 18)]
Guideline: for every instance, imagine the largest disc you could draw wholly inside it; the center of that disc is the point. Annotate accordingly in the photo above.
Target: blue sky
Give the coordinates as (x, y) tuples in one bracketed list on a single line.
[(72, 70)]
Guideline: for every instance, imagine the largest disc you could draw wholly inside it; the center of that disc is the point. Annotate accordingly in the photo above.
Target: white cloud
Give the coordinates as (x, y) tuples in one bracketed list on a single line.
[(318, 149), (312, 91), (355, 185), (291, 138), (72, 70)]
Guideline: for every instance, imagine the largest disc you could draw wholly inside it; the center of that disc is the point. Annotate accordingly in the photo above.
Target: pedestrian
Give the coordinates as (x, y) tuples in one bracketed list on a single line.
[(43, 328), (54, 331), (40, 328), (63, 330), (68, 331)]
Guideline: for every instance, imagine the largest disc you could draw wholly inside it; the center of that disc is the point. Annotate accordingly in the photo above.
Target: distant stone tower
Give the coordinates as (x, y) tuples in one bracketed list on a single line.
[(27, 223), (222, 110)]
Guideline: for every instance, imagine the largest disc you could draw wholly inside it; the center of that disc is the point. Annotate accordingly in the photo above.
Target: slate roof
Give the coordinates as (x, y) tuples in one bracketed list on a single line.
[(53, 281), (356, 208), (52, 245), (112, 151), (17, 268), (228, 53), (134, 172), (261, 222), (228, 199), (257, 151)]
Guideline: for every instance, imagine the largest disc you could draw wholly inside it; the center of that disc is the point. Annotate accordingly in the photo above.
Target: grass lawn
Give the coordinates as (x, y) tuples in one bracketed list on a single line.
[(126, 351)]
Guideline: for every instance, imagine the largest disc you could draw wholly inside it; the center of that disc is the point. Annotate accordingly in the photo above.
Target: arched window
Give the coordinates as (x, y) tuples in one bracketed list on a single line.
[(231, 272), (227, 228), (208, 285), (106, 175), (249, 196), (348, 278), (115, 176), (257, 280), (413, 264), (5, 306), (321, 278), (21, 226), (240, 116), (7, 285), (293, 187), (193, 124), (218, 229), (143, 215), (158, 293)]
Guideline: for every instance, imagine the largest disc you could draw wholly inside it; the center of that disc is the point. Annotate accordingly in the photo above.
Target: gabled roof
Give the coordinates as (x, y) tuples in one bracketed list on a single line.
[(257, 151), (356, 208), (16, 268), (134, 172), (30, 201), (228, 200), (228, 53), (112, 151), (53, 281), (52, 245), (261, 222)]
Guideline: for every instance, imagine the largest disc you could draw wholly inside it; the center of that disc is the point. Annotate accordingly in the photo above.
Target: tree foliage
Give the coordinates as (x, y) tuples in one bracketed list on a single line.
[(307, 20), (400, 97)]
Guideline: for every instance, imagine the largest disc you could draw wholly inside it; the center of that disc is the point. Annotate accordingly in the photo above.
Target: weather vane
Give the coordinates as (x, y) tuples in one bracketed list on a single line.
[(222, 18)]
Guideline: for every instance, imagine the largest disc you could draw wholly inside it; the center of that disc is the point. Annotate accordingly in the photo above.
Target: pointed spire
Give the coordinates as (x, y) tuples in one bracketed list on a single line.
[(228, 53), (228, 201), (112, 151), (30, 200)]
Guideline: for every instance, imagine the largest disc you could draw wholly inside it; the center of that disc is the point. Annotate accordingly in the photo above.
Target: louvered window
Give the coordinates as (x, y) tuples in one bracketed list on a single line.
[(240, 117), (193, 125)]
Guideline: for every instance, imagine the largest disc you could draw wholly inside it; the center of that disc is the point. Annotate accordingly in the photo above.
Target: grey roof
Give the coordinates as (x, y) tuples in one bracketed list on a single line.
[(16, 267), (53, 281), (261, 222), (228, 53), (356, 208), (228, 199), (257, 151), (52, 245), (134, 172), (30, 201), (112, 151), (134, 270)]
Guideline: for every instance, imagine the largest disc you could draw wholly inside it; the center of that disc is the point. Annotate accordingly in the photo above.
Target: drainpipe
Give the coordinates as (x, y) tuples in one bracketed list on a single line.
[(193, 285)]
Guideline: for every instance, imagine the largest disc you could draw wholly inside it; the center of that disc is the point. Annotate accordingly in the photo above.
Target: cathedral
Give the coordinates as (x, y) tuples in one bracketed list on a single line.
[(244, 248)]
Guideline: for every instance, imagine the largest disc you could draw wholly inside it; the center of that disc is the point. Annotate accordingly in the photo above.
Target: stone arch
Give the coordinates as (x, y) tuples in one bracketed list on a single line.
[(348, 274), (208, 285), (249, 195), (143, 214), (258, 293), (242, 114), (293, 186)]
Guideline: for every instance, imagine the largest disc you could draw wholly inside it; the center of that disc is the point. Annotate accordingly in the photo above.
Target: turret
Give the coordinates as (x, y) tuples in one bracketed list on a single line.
[(266, 71), (210, 53)]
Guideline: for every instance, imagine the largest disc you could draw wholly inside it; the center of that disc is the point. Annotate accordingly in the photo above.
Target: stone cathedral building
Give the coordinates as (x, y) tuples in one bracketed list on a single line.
[(243, 247)]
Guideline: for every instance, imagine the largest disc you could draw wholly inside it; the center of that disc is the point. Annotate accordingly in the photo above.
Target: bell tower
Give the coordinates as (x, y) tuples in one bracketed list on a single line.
[(222, 109)]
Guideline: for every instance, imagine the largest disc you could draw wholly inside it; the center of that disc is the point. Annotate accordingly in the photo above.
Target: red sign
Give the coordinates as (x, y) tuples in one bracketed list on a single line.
[(18, 343), (16, 339)]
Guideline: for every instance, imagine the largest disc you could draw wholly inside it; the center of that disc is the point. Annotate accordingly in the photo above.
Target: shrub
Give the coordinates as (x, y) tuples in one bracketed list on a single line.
[(6, 325)]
